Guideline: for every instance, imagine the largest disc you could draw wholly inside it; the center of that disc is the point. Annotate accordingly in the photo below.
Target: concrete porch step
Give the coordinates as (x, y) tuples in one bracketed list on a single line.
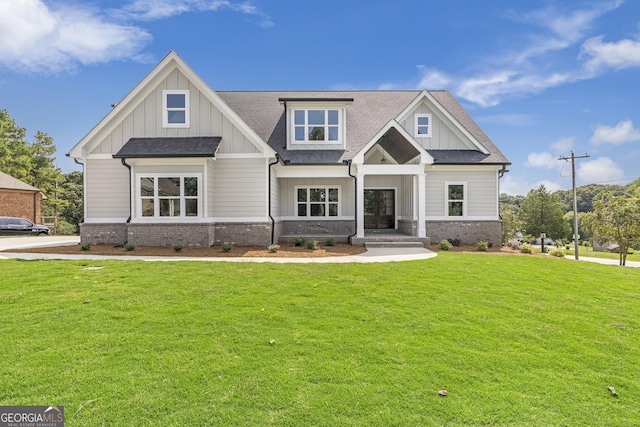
[(393, 244)]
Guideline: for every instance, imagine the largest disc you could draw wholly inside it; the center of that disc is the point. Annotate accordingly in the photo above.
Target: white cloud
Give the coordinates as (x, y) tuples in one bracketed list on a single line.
[(158, 9), (542, 160), (623, 132), (600, 170), (563, 144), (433, 79), (35, 38), (600, 55), (514, 185)]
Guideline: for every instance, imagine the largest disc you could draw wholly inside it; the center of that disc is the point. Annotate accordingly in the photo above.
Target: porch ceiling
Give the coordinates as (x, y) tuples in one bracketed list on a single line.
[(397, 146)]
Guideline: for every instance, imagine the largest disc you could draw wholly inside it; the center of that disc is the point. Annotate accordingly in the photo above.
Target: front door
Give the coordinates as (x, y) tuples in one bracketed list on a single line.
[(379, 209)]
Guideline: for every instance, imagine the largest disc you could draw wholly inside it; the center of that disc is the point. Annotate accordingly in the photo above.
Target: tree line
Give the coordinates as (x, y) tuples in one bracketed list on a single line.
[(34, 163), (606, 213)]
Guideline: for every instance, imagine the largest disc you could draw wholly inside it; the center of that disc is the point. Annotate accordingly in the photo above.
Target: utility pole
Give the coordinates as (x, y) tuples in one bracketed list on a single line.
[(575, 199)]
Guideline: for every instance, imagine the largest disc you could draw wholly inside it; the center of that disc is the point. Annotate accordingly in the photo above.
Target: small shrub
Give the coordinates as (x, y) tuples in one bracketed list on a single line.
[(454, 242), (330, 241), (558, 243), (300, 241), (86, 246), (273, 248), (129, 246), (177, 247), (445, 245), (557, 253), (630, 251), (482, 246), (526, 248), (567, 246), (227, 246), (312, 244)]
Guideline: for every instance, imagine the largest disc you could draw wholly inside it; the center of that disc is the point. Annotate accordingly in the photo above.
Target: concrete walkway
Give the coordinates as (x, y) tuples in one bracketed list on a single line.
[(634, 264), (372, 255)]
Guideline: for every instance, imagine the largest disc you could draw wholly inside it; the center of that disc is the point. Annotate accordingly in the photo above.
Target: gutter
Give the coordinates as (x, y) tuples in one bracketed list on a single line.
[(124, 163), (273, 221), (355, 198)]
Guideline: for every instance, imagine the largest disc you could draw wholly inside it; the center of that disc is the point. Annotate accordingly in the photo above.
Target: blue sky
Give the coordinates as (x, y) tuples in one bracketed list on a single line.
[(541, 77)]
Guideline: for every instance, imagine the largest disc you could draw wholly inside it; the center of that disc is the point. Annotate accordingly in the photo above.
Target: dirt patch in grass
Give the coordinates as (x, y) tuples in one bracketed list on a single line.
[(287, 250)]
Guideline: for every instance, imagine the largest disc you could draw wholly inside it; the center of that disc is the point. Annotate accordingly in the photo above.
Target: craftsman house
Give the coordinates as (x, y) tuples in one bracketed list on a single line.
[(177, 162)]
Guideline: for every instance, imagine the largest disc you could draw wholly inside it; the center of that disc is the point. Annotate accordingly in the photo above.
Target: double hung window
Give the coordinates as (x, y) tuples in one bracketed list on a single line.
[(175, 108), (456, 199), (169, 196), (316, 126), (423, 125), (317, 201)]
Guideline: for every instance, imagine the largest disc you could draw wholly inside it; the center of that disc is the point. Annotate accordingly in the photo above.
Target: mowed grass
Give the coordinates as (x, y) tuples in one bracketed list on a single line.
[(516, 340)]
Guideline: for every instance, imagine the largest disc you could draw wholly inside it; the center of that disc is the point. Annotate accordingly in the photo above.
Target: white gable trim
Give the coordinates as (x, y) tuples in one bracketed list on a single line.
[(425, 95), (425, 158), (170, 62)]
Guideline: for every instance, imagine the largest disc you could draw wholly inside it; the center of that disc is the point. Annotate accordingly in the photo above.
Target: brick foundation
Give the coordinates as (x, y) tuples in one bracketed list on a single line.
[(115, 234), (468, 232)]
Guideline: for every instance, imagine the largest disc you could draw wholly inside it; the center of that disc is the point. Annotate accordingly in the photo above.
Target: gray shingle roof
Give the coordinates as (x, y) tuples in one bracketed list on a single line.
[(10, 183), (200, 146), (369, 112)]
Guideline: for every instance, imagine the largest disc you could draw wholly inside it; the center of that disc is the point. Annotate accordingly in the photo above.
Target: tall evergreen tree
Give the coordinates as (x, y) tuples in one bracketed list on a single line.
[(541, 212)]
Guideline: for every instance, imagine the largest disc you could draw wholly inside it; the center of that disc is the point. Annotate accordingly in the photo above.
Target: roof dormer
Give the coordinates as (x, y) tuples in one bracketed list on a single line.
[(316, 123)]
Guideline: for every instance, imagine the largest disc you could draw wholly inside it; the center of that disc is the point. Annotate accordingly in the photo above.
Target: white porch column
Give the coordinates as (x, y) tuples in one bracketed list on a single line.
[(360, 206), (422, 231)]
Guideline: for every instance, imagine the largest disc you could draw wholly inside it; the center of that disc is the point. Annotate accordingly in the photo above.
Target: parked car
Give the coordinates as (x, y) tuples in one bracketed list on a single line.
[(10, 226)]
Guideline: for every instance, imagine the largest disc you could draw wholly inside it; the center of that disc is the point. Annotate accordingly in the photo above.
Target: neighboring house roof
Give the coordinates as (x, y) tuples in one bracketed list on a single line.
[(369, 112), (201, 146), (8, 182)]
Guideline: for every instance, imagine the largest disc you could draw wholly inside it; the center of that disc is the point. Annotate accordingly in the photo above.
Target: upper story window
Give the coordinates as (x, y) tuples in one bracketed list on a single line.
[(175, 108), (456, 198), (317, 126), (423, 125)]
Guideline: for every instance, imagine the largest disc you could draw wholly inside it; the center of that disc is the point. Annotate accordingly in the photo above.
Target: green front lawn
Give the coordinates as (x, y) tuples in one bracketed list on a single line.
[(589, 252), (516, 340)]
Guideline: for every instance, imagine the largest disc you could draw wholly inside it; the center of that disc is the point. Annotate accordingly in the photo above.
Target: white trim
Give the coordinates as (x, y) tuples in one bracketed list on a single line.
[(239, 156), (166, 109), (240, 219), (169, 161), (466, 168), (105, 220), (464, 200), (462, 218), (316, 107), (418, 116), (314, 218), (391, 169), (100, 157), (295, 171)]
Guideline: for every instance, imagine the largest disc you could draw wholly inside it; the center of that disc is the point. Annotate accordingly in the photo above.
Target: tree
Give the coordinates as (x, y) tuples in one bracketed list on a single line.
[(616, 219), (72, 187), (541, 212), (511, 222)]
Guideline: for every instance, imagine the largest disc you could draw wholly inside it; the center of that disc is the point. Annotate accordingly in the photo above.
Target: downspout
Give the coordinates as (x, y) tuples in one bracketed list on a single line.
[(501, 173), (355, 198), (35, 212), (84, 202), (130, 206), (273, 221)]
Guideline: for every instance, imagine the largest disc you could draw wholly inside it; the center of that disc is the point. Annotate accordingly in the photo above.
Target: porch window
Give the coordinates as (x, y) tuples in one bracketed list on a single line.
[(423, 125), (175, 108), (169, 196), (456, 198), (317, 201), (313, 126)]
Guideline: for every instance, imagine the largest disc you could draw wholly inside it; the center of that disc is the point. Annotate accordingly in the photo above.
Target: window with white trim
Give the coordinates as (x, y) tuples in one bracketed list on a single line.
[(456, 198), (422, 125), (317, 125), (317, 201), (175, 108), (169, 195)]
